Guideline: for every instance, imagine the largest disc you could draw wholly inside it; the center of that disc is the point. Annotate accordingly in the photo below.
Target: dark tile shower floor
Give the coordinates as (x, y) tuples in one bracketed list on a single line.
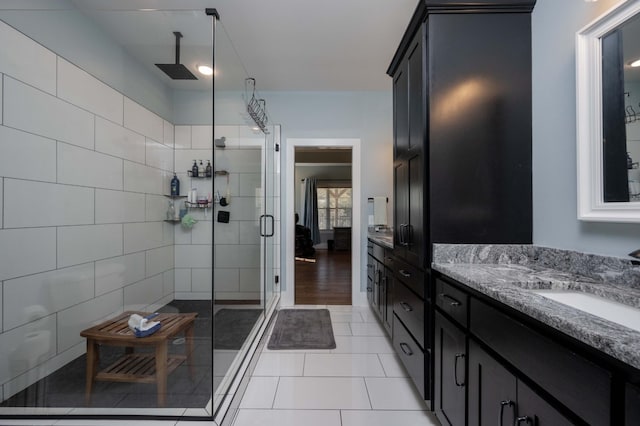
[(65, 387)]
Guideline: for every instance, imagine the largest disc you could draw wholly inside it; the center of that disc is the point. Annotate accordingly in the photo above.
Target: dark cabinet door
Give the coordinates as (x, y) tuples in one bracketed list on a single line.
[(401, 111), (492, 390), (632, 405), (533, 410), (387, 311), (401, 207), (450, 372), (416, 95), (414, 244), (371, 271)]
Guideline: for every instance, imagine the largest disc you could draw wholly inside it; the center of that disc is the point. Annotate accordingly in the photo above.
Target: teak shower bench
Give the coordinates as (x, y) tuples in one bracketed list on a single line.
[(138, 367)]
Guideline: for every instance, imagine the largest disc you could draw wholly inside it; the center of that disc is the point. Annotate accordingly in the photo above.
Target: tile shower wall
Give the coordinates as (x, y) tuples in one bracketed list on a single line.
[(237, 245), (83, 170)]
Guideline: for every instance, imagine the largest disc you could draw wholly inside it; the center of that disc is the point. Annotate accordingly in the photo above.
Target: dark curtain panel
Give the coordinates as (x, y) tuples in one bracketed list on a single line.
[(310, 215)]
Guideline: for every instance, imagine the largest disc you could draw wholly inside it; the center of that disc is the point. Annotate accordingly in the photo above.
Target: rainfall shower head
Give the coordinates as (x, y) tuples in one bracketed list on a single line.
[(177, 71)]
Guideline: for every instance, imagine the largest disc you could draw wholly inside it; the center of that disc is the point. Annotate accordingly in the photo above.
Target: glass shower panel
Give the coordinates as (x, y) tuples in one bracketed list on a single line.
[(108, 129)]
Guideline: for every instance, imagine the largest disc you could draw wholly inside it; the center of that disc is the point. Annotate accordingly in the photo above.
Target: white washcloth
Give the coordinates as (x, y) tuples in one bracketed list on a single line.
[(137, 322)]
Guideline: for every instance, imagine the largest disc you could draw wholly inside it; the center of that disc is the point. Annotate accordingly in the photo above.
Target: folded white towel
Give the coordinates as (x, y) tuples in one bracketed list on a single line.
[(139, 323)]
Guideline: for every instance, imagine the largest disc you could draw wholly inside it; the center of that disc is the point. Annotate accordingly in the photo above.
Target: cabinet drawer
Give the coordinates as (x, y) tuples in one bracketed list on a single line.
[(410, 309), (452, 301), (410, 354), (388, 258), (411, 276), (576, 382), (370, 247), (378, 252)]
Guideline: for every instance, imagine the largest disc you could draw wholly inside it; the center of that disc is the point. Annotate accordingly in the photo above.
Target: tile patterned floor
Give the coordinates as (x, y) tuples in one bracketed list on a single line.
[(361, 382)]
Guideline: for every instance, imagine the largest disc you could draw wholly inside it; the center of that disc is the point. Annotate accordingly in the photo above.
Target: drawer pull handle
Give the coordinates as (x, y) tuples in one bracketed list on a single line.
[(452, 301), (455, 369), (406, 306), (525, 419), (404, 273), (505, 403), (406, 349), (369, 289)]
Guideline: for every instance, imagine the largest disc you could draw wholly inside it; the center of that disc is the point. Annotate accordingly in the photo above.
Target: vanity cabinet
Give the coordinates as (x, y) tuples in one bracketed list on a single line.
[(380, 282), (450, 373), (632, 404), (497, 394), (516, 370)]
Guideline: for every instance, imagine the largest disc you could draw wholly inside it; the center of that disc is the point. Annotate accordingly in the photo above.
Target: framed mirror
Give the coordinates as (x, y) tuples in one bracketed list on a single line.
[(608, 113)]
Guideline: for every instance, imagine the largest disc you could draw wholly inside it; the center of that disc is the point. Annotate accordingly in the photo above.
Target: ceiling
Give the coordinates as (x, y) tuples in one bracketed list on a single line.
[(287, 45)]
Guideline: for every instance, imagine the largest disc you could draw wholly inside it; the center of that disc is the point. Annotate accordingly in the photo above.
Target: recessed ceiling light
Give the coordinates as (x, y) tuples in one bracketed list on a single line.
[(205, 70), (635, 63)]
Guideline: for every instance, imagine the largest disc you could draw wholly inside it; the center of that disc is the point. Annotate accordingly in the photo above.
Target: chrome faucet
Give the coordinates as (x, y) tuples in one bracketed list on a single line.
[(635, 254)]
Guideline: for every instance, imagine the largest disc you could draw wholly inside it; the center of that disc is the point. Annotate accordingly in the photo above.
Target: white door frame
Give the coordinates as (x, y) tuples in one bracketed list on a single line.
[(358, 298)]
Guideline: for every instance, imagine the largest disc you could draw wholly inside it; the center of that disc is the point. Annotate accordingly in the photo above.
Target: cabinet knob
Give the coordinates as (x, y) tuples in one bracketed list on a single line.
[(505, 403), (404, 273)]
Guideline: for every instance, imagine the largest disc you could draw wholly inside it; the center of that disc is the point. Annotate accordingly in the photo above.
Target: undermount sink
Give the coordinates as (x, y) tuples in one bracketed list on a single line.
[(595, 305)]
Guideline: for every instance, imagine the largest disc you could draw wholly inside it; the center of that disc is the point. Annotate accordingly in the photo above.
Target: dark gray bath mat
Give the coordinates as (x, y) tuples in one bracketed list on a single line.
[(232, 326), (302, 329)]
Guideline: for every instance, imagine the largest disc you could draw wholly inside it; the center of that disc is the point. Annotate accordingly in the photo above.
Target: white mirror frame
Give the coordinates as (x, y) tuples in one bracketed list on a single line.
[(591, 205)]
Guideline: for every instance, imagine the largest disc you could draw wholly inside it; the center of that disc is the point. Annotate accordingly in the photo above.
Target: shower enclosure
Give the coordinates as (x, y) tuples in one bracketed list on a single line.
[(91, 135)]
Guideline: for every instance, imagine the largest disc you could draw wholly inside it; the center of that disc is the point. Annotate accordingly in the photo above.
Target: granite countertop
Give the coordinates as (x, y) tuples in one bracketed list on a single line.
[(383, 237), (508, 274)]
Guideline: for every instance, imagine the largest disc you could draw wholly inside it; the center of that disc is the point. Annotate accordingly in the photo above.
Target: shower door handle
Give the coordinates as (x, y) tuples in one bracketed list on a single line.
[(263, 225)]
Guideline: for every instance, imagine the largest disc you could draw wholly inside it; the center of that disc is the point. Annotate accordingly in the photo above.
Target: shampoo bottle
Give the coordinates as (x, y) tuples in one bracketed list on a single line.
[(194, 169), (175, 186), (207, 171)]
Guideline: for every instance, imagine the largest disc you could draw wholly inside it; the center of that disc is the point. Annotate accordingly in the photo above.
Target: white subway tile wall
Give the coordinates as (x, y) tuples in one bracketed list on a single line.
[(34, 111), (83, 173), (29, 61), (113, 139), (39, 295), (19, 147), (82, 89), (63, 204), (237, 243)]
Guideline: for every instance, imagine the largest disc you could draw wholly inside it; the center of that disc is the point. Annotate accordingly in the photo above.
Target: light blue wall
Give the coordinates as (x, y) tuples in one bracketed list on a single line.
[(71, 35), (555, 223)]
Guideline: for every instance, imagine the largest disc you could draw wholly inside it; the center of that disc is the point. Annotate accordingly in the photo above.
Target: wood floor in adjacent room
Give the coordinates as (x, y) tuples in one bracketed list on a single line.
[(325, 282)]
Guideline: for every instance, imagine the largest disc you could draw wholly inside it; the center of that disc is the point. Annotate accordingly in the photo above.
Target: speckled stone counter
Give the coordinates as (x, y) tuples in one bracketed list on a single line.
[(506, 273), (383, 238)]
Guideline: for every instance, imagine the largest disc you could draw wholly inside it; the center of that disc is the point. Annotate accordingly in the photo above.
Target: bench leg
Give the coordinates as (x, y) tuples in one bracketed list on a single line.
[(161, 372), (189, 347), (93, 358)]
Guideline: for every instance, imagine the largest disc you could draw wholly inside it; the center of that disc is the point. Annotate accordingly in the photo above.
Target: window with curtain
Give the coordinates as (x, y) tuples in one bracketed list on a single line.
[(334, 204)]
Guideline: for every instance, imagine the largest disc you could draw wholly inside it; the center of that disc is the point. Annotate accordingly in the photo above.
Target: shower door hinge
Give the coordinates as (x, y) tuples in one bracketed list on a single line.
[(277, 147), (277, 278)]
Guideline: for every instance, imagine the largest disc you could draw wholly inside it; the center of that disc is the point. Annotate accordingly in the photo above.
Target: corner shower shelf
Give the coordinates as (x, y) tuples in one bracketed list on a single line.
[(198, 205), (190, 174), (175, 197)]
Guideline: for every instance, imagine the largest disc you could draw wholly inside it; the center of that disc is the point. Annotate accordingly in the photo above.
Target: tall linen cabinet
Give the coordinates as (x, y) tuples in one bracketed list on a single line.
[(462, 154)]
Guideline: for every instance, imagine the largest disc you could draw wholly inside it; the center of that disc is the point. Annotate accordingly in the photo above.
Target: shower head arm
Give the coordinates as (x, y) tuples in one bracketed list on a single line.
[(178, 35)]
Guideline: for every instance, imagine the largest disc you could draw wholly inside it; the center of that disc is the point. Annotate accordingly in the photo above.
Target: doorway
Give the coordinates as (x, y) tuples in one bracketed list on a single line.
[(330, 273), (323, 212)]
